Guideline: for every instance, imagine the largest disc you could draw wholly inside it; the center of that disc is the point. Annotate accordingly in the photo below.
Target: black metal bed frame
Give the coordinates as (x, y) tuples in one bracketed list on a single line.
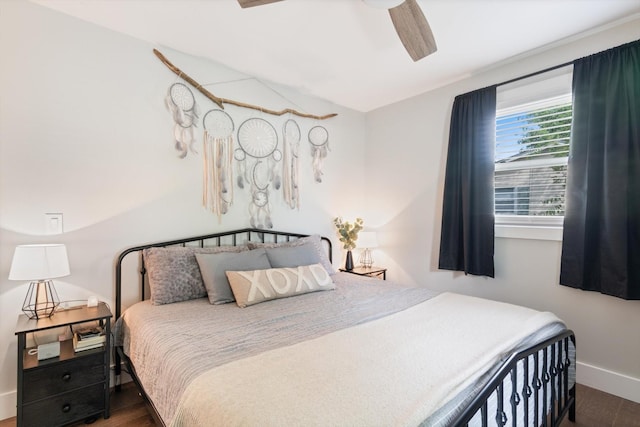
[(548, 382), (236, 237), (549, 373)]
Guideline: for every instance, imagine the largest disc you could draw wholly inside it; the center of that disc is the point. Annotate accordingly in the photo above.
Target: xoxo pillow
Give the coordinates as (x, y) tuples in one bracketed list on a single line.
[(253, 287)]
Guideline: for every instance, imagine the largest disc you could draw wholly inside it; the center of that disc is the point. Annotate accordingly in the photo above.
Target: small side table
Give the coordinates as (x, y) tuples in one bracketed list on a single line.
[(373, 271), (68, 388)]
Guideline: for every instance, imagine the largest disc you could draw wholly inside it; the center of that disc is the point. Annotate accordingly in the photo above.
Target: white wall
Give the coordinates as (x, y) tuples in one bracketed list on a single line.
[(84, 131), (408, 140)]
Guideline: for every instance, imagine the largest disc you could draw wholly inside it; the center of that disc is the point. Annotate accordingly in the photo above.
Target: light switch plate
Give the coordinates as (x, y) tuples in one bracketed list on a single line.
[(53, 223)]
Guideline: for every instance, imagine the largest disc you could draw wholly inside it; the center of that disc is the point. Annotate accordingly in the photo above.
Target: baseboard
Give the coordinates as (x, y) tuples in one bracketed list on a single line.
[(124, 377), (608, 381), (8, 405)]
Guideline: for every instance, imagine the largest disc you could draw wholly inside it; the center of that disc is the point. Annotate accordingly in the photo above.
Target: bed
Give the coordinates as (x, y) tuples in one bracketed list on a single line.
[(255, 327)]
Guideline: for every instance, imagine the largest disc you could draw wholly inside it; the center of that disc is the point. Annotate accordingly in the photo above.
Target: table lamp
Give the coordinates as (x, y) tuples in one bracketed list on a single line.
[(40, 264), (367, 240)]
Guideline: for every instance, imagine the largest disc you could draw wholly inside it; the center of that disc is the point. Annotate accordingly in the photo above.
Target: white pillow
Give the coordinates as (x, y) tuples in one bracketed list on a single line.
[(253, 287)]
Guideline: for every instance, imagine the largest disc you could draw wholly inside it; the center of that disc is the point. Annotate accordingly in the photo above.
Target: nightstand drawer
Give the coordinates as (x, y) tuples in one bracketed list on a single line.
[(50, 380), (71, 387), (64, 408)]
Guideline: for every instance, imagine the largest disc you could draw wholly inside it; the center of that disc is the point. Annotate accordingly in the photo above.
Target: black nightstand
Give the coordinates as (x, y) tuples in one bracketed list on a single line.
[(68, 388), (379, 272)]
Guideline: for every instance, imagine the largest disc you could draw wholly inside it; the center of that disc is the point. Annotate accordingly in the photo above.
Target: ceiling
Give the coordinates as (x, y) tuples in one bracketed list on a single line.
[(343, 50)]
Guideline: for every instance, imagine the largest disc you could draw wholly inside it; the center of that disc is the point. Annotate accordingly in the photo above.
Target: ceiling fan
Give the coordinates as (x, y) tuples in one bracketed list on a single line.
[(407, 17)]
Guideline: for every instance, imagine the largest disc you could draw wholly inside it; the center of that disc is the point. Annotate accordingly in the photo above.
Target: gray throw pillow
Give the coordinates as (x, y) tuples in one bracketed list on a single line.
[(213, 268), (293, 256), (315, 240), (173, 272)]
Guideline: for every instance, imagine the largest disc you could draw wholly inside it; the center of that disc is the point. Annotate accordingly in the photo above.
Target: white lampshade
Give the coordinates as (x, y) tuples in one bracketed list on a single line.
[(367, 239), (39, 262)]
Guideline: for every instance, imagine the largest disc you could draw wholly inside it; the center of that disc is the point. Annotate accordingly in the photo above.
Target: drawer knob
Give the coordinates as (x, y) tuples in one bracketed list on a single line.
[(66, 377), (66, 407)]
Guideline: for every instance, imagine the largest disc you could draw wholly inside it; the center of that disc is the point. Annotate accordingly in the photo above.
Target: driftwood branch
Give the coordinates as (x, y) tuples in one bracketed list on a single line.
[(221, 101)]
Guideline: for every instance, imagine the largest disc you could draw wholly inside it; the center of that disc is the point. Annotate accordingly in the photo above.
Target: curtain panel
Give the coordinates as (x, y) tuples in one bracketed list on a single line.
[(601, 237), (467, 236)]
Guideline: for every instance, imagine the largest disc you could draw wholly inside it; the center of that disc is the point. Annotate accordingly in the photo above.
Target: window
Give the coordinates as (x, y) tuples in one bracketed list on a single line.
[(532, 148), (512, 200)]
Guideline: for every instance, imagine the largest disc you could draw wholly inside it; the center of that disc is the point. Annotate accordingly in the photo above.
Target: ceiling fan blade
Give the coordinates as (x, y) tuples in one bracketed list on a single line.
[(413, 29), (252, 3)]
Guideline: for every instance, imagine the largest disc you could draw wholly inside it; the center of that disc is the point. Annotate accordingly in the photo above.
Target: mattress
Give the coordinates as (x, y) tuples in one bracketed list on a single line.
[(174, 347)]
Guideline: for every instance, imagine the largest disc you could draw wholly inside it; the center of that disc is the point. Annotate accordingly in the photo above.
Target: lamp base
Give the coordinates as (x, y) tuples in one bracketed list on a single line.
[(366, 260), (41, 300)]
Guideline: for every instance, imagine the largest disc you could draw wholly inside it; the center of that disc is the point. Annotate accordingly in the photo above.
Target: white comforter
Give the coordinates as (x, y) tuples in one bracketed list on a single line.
[(171, 345), (396, 370)]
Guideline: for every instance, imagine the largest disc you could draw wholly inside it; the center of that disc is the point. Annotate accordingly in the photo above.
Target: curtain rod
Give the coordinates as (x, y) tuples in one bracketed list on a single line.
[(555, 67), (546, 70)]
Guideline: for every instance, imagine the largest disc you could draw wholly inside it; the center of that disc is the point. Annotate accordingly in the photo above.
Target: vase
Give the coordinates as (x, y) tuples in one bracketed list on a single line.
[(348, 265)]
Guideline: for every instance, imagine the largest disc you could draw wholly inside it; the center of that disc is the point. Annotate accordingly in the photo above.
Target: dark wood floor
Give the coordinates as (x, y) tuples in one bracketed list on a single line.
[(127, 409), (594, 409)]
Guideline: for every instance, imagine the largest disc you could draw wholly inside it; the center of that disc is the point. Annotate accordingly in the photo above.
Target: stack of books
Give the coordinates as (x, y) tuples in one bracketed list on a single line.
[(87, 339)]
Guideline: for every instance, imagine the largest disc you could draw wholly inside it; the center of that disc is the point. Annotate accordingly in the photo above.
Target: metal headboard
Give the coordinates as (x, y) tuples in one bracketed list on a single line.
[(226, 238)]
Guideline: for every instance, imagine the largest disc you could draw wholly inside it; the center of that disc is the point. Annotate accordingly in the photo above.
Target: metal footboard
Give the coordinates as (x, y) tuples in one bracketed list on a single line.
[(532, 388)]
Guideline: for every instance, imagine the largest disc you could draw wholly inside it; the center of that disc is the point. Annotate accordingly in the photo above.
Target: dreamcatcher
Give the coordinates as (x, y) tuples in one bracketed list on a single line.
[(257, 160), (319, 139), (217, 185), (182, 105), (291, 147)]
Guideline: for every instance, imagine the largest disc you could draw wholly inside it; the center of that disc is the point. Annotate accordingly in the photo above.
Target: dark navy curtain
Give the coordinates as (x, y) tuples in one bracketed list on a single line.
[(467, 238), (601, 241)]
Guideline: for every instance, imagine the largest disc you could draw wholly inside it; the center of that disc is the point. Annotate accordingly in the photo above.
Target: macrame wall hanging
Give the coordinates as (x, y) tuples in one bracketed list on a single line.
[(258, 157), (184, 110), (319, 139), (291, 148), (217, 155)]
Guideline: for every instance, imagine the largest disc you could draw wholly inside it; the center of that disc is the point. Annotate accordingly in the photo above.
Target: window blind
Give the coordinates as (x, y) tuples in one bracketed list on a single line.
[(532, 149)]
